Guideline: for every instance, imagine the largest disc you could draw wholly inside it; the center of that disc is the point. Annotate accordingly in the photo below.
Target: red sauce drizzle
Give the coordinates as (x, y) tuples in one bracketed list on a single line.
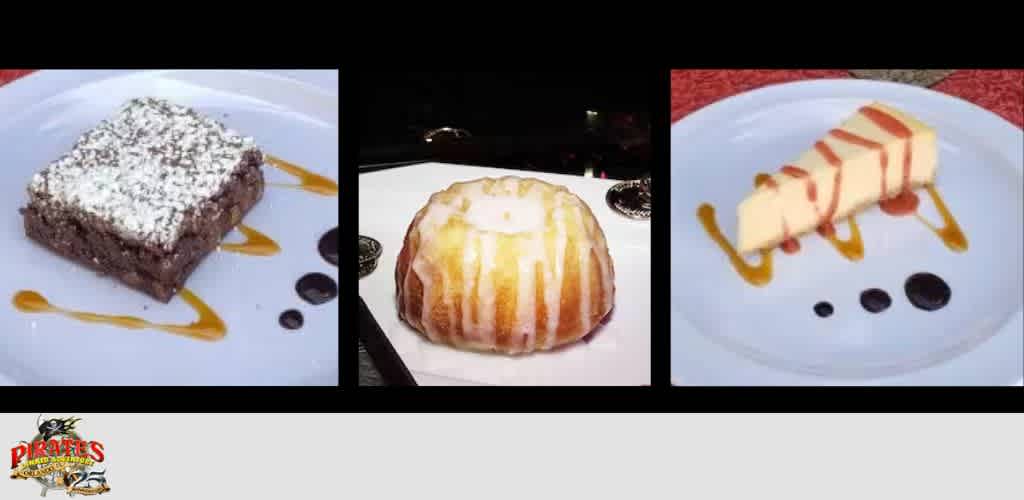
[(906, 202), (827, 229), (866, 143), (799, 173), (830, 156), (832, 159), (789, 244)]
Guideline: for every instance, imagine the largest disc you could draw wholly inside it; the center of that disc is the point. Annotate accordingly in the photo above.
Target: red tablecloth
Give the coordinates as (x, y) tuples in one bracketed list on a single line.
[(7, 75), (1000, 91)]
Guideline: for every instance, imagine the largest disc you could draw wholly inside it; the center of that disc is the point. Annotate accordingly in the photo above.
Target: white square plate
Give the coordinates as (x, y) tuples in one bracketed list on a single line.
[(618, 354), (726, 332), (294, 116)]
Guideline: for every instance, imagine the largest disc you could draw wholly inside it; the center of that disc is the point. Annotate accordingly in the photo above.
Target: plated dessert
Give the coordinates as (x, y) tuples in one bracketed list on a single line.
[(879, 155), (240, 317), (906, 283), (508, 265), (146, 195)]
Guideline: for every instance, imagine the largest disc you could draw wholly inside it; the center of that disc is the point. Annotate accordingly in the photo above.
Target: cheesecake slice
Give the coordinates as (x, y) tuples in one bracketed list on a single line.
[(878, 155)]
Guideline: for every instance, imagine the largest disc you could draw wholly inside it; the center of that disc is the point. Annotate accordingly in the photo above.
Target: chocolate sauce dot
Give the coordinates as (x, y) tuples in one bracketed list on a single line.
[(823, 309), (291, 319), (329, 246), (316, 288), (927, 291), (875, 300)]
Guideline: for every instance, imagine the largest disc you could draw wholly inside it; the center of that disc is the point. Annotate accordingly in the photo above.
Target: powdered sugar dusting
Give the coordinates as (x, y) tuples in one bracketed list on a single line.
[(141, 170)]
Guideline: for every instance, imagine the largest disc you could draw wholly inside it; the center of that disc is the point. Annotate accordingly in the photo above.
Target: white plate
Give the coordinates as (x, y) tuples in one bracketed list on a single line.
[(619, 354), (726, 332), (293, 116)]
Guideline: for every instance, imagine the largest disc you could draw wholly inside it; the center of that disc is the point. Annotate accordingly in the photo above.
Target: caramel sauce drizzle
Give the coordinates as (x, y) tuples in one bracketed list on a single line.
[(766, 180), (256, 243), (852, 248), (208, 326), (950, 232), (309, 181), (758, 275), (904, 203)]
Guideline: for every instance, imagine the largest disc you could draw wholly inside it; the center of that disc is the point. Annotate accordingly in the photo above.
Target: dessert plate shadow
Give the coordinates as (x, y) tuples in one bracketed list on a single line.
[(728, 332), (293, 116)]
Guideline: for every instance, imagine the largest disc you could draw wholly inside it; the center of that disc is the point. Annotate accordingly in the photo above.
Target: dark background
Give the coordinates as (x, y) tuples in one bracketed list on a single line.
[(521, 120)]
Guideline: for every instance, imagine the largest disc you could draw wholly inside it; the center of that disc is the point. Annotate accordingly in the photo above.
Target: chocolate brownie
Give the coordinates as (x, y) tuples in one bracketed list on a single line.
[(146, 195)]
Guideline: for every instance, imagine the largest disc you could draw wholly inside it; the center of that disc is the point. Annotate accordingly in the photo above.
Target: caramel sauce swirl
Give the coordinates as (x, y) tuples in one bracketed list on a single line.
[(950, 233), (308, 181), (256, 243), (758, 275), (852, 248), (208, 326)]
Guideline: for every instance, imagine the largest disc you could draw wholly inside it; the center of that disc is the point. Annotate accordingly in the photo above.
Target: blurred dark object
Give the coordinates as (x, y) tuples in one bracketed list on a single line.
[(369, 255), (631, 198), (919, 77), (583, 123)]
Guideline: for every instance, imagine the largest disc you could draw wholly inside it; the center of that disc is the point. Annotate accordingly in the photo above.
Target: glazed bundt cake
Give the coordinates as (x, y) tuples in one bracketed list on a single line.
[(510, 265)]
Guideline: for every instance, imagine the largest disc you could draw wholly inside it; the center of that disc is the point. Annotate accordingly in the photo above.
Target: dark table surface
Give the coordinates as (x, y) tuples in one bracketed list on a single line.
[(594, 122), (379, 364), (368, 373)]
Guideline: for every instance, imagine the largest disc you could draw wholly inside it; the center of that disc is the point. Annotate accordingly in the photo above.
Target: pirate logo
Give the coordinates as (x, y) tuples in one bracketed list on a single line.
[(59, 459), (56, 427)]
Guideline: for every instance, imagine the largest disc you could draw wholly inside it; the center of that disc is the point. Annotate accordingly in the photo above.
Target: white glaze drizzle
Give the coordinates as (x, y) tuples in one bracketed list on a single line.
[(470, 257), (553, 279), (419, 267), (530, 252), (584, 263), (487, 295)]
